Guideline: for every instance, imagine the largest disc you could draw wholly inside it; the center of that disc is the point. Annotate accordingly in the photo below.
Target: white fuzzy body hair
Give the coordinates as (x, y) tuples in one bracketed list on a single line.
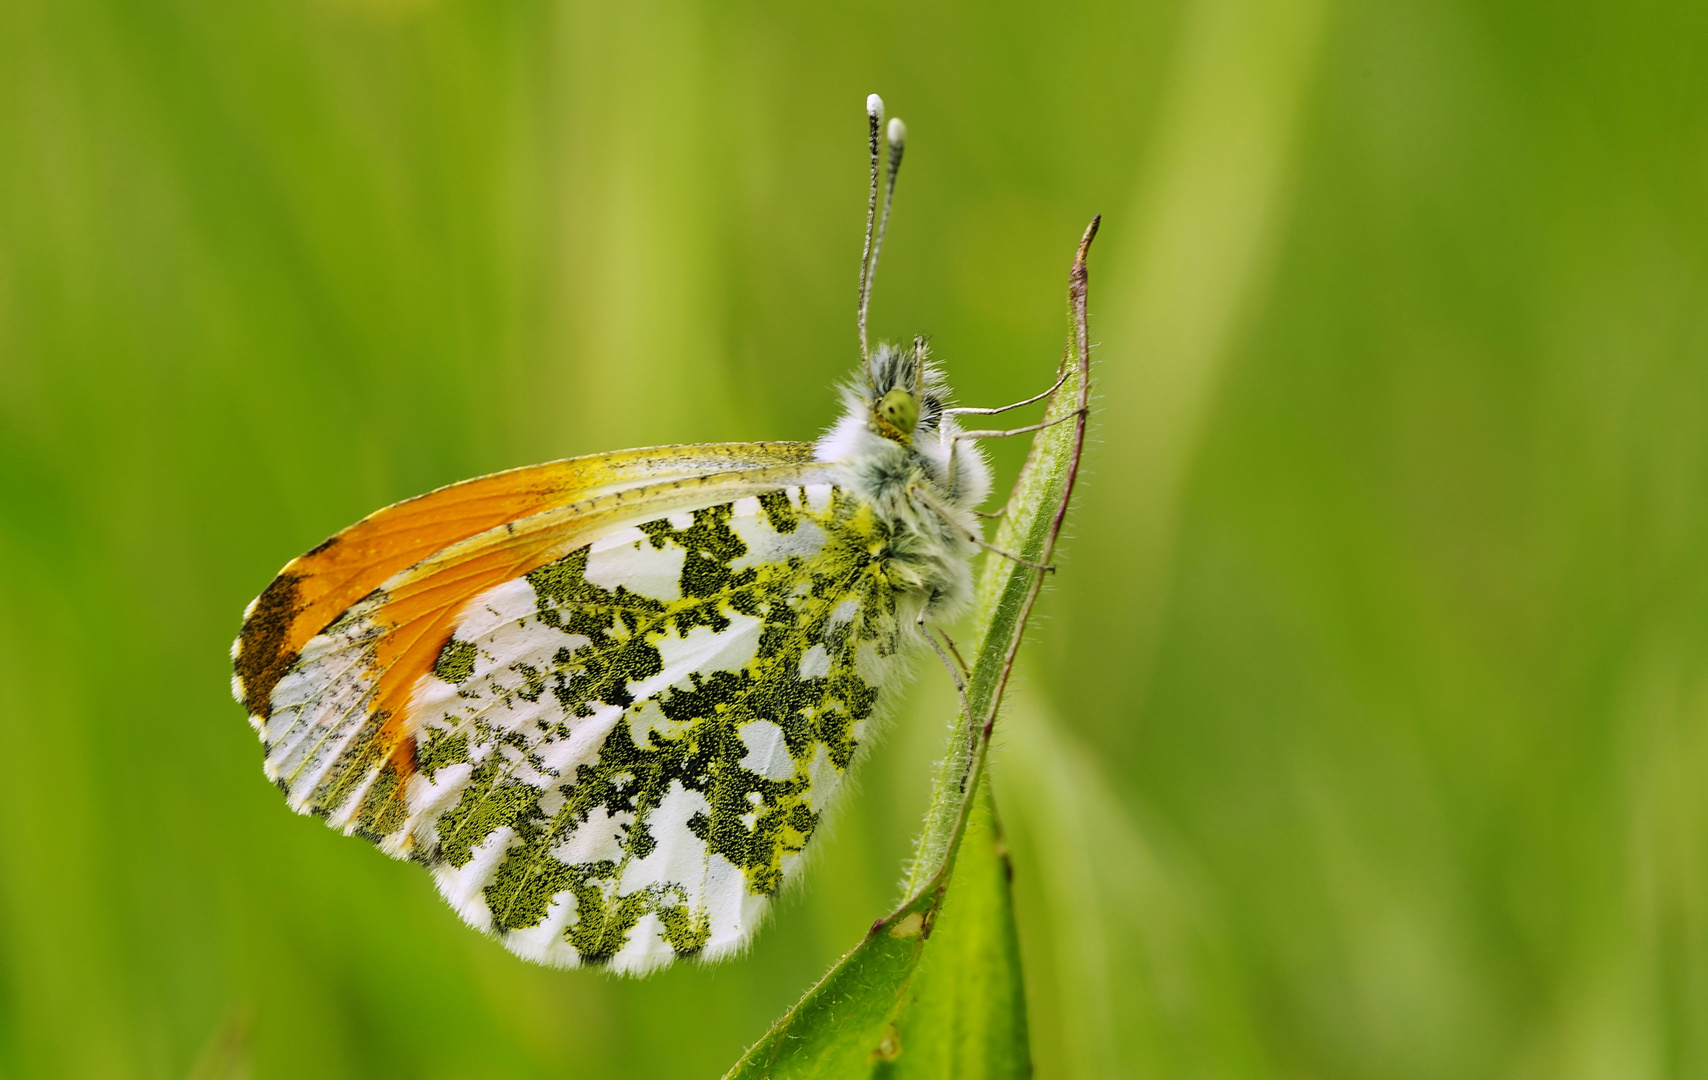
[(924, 489)]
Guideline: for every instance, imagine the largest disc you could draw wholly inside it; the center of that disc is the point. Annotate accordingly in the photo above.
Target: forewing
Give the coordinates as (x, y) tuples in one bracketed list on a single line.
[(316, 588), (609, 728)]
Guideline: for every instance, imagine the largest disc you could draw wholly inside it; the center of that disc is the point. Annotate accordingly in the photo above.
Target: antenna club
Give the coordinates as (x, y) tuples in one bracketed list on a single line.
[(875, 107), (897, 132)]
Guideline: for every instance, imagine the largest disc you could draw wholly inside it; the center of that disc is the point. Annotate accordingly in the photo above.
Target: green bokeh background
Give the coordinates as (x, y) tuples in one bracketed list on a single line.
[(1364, 733)]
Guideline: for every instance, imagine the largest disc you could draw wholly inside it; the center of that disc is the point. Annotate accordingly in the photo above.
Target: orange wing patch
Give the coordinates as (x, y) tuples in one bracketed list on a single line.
[(421, 615)]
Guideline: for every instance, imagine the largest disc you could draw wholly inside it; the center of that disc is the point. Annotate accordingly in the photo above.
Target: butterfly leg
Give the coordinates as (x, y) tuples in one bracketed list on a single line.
[(1009, 555), (997, 434), (967, 411), (943, 513), (1003, 434), (954, 673), (954, 651)]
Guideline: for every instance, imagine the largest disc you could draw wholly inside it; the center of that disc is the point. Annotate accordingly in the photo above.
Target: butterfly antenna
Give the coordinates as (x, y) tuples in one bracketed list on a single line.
[(874, 123), (897, 136)]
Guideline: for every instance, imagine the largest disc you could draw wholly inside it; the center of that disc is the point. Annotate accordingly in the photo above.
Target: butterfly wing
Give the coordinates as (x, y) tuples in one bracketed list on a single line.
[(609, 727), (315, 588)]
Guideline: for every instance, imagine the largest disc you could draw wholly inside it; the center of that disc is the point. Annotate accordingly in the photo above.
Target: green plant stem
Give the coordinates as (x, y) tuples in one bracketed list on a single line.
[(848, 1021), (1007, 590)]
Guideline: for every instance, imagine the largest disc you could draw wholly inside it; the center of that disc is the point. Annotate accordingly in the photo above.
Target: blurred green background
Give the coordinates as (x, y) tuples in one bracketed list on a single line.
[(1364, 733)]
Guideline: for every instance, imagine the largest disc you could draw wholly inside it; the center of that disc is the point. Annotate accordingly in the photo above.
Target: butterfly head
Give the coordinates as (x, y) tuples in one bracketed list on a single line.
[(897, 415), (904, 395)]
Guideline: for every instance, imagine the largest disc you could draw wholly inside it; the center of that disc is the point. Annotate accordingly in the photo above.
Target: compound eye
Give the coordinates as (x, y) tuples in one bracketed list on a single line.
[(900, 411)]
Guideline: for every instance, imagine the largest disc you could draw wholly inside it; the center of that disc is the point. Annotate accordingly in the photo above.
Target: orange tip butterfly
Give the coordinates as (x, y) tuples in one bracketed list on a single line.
[(608, 701)]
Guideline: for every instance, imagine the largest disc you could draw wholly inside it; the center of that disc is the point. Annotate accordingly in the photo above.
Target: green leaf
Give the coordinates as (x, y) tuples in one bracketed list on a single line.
[(935, 988), (965, 1013)]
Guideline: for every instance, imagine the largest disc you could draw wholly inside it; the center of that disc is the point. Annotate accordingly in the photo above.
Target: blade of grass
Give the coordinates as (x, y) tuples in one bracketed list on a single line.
[(852, 1023)]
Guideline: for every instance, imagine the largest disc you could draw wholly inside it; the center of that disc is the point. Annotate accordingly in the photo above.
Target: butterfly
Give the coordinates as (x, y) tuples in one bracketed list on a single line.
[(609, 701)]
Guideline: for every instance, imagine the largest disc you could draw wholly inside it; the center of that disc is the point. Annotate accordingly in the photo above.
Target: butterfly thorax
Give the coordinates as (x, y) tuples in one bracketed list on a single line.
[(920, 481)]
